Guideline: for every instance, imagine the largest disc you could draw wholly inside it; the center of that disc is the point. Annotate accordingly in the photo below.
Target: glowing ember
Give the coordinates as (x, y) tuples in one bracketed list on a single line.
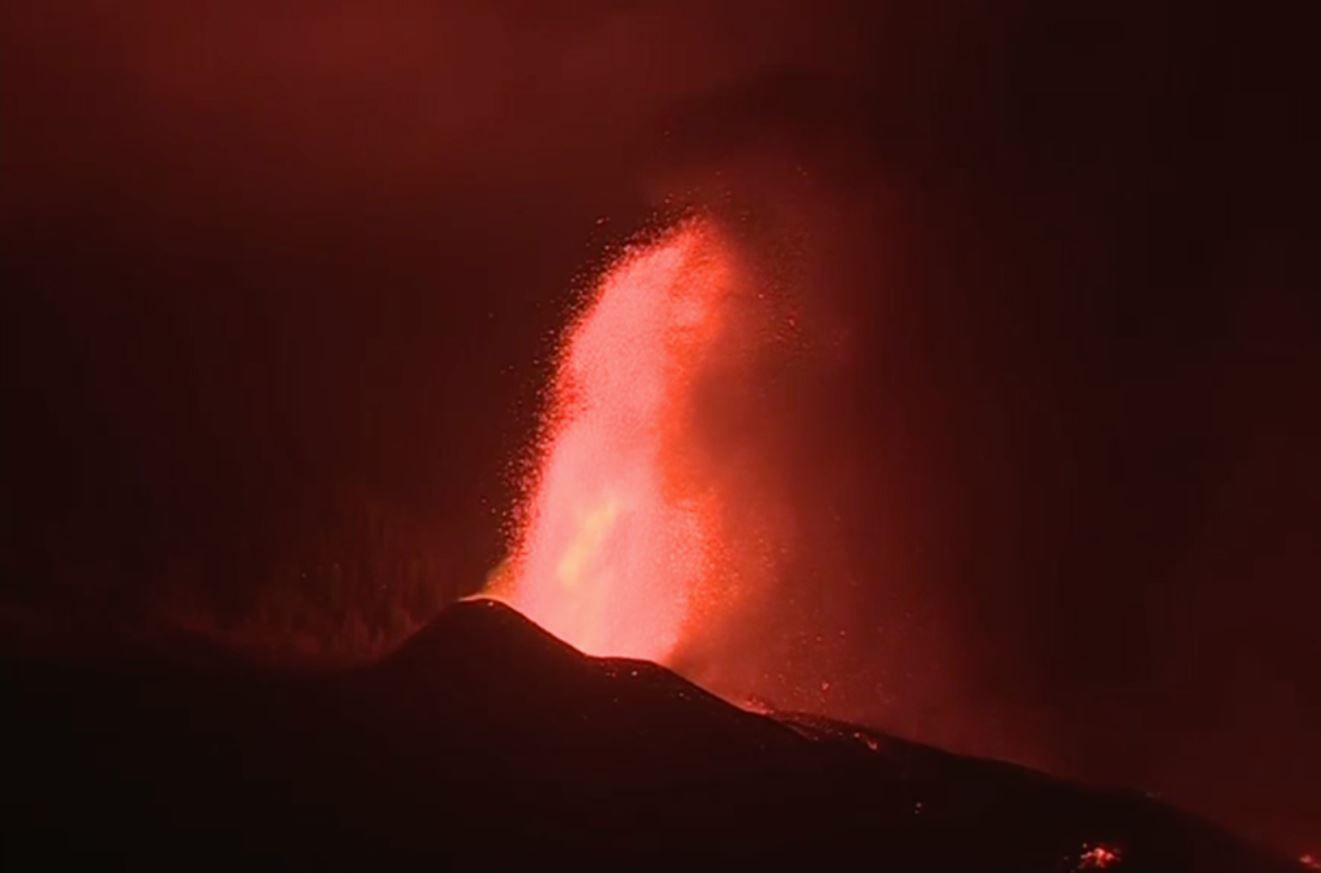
[(617, 543), (1098, 858)]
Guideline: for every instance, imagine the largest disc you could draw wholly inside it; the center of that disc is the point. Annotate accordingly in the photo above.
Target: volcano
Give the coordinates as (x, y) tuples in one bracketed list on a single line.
[(485, 739)]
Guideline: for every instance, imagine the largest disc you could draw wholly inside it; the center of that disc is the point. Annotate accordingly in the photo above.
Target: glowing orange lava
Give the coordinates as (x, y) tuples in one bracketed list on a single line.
[(1099, 857), (616, 543)]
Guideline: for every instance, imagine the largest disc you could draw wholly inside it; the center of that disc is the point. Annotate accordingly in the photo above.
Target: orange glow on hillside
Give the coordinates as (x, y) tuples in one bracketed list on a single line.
[(1099, 857), (617, 546)]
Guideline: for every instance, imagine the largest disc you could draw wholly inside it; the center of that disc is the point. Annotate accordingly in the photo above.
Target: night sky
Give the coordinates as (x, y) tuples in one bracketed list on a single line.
[(282, 288)]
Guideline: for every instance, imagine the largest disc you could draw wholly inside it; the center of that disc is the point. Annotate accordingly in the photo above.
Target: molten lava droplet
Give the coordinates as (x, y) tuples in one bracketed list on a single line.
[(617, 541)]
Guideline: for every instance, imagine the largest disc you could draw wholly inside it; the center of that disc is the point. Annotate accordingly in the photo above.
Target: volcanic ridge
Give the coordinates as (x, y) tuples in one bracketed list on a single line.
[(485, 739)]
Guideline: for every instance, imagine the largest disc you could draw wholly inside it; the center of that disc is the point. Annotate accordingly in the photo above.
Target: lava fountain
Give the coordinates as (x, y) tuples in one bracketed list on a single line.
[(618, 545)]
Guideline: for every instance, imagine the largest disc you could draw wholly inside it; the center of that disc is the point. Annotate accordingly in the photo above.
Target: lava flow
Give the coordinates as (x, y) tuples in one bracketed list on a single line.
[(618, 541)]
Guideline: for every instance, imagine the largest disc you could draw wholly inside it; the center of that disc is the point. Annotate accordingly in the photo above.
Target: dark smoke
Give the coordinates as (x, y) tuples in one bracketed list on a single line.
[(282, 288)]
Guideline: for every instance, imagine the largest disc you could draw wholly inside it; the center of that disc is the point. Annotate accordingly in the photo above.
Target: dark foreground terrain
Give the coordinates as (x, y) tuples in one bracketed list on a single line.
[(486, 740)]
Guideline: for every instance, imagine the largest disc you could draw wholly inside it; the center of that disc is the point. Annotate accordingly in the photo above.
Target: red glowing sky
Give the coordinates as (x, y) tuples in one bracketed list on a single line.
[(1054, 500)]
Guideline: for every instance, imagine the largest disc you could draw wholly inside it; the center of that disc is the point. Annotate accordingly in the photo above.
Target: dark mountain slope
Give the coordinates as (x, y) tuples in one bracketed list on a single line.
[(485, 739)]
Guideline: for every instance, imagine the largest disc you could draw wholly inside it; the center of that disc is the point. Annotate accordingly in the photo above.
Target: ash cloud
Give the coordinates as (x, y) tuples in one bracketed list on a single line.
[(283, 288)]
